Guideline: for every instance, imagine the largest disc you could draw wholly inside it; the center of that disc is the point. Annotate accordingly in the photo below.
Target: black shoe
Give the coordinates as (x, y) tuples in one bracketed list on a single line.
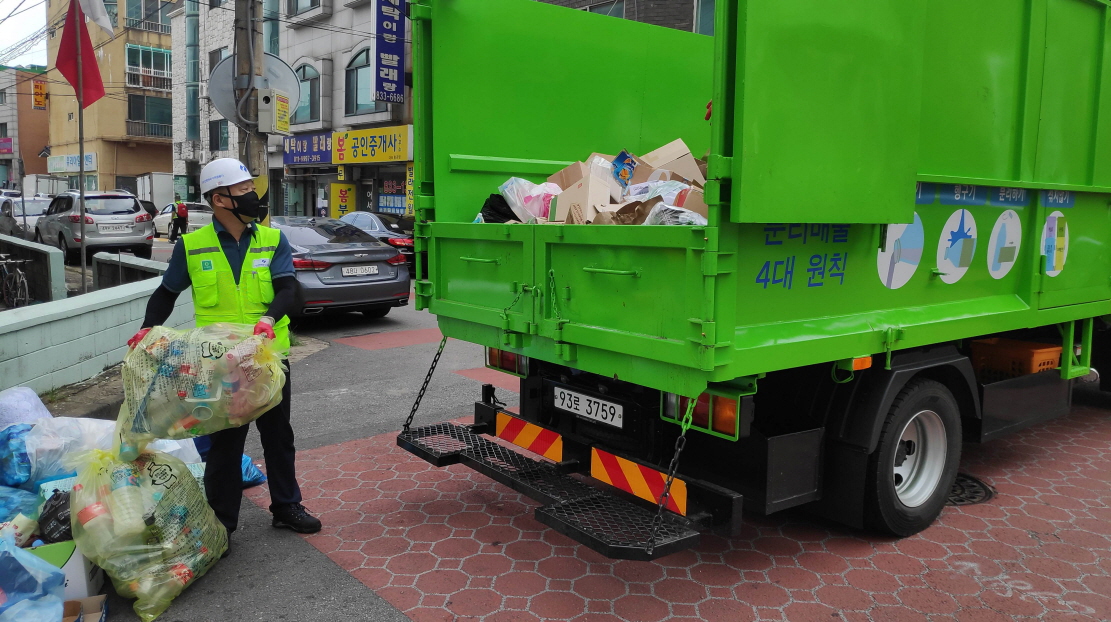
[(227, 551), (294, 516)]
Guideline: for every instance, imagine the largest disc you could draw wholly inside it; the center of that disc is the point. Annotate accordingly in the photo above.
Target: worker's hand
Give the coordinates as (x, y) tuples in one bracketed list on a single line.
[(134, 341), (265, 327), (709, 110)]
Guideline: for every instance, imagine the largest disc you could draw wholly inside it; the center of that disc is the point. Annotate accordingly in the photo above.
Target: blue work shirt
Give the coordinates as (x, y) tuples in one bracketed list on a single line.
[(176, 279)]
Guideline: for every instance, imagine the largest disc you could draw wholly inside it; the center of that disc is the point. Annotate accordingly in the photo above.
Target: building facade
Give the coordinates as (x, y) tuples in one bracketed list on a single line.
[(24, 121), (336, 49), (127, 132), (204, 35)]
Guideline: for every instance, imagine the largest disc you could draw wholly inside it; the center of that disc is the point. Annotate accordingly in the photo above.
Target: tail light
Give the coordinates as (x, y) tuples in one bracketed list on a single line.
[(400, 241), (144, 217), (509, 362), (716, 414), (310, 264), (76, 218), (396, 260)]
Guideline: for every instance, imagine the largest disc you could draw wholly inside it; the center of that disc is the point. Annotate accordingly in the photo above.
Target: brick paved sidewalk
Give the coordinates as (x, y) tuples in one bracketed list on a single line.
[(450, 544)]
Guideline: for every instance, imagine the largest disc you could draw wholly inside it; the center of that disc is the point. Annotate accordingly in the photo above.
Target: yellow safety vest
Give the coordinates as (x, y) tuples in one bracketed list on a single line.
[(216, 297)]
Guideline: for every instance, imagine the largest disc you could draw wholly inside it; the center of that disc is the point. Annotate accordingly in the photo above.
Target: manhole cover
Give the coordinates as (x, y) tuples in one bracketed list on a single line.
[(968, 490)]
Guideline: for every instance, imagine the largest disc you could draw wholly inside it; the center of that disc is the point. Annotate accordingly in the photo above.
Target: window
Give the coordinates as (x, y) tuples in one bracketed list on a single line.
[(308, 109), (270, 27), (3, 130), (218, 135), (3, 96), (215, 56), (704, 17), (149, 68), (296, 7), (192, 112), (149, 116), (360, 86), (614, 8), (152, 15), (213, 4), (113, 11)]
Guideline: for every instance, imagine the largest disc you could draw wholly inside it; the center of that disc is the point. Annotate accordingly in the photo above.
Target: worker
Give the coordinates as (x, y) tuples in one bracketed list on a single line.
[(216, 260), (180, 221)]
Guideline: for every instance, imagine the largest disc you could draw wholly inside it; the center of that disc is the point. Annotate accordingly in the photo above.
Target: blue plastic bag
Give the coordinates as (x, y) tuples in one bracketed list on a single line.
[(251, 475), (15, 464), (33, 589), (15, 501)]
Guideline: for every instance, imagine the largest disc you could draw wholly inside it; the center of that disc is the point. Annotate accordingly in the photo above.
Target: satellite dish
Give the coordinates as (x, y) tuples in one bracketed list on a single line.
[(221, 83)]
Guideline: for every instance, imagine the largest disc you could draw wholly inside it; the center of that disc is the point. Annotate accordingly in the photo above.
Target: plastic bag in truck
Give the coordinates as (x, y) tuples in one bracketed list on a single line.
[(664, 214), (529, 201)]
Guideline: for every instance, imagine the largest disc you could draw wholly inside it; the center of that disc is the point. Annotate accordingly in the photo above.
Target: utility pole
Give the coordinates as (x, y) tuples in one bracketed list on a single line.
[(249, 55)]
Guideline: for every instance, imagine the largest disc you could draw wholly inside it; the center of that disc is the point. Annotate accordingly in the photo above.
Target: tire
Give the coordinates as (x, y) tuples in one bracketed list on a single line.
[(142, 252), (69, 256), (21, 295), (38, 237), (906, 492), (7, 290), (377, 313)]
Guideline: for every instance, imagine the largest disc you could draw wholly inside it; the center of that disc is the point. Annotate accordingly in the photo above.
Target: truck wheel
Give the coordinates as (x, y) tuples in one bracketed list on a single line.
[(915, 464)]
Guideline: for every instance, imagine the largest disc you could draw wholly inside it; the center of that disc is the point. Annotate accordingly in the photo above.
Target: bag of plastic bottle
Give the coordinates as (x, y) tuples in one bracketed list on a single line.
[(51, 440), (182, 384), (32, 589), (21, 405), (15, 464), (528, 201), (146, 523), (54, 518)]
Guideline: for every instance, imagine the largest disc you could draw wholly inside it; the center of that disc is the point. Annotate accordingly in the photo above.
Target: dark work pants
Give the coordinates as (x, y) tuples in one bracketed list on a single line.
[(223, 475), (178, 227)]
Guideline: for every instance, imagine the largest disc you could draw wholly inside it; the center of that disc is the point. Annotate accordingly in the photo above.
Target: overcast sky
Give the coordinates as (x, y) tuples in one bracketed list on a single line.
[(17, 28)]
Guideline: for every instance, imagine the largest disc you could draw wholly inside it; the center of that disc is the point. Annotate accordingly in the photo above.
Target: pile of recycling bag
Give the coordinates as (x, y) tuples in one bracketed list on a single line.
[(128, 492)]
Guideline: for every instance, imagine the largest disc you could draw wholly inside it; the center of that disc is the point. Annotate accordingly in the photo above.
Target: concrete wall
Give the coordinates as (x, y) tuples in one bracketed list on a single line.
[(110, 270), (58, 343), (46, 271)]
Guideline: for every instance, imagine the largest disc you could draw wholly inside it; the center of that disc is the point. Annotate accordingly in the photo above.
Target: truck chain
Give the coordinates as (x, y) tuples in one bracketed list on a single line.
[(424, 387), (516, 299), (680, 443)]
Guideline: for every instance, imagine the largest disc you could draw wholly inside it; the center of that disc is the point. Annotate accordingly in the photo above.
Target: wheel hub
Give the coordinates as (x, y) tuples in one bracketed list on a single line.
[(919, 459)]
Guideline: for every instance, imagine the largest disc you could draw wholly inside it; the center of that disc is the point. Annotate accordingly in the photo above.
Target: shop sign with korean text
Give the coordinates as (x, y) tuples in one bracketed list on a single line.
[(6, 145), (380, 144), (410, 180), (307, 149), (341, 199), (70, 163), (38, 94), (389, 62)]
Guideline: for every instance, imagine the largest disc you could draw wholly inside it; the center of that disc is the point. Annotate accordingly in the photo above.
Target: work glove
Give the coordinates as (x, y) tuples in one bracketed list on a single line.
[(265, 327), (709, 110), (134, 341)]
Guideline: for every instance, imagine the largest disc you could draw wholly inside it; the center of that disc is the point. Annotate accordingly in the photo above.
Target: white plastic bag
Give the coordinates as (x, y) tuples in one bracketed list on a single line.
[(664, 214), (668, 190), (52, 439), (529, 201), (21, 405)]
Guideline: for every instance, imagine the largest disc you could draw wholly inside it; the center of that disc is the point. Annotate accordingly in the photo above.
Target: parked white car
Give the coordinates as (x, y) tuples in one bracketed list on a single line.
[(199, 216)]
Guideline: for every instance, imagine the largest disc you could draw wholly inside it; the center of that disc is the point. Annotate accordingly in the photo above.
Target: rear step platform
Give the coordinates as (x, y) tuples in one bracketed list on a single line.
[(613, 526)]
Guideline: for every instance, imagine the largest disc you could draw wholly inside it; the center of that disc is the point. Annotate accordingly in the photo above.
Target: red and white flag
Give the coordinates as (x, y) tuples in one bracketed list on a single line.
[(73, 34)]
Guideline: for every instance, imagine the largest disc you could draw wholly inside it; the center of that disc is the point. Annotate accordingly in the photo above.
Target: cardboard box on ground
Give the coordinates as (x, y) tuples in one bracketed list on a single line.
[(92, 609), (589, 198), (82, 577)]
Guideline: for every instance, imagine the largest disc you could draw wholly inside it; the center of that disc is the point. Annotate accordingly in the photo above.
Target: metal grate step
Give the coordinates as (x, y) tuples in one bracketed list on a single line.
[(610, 525), (617, 528)]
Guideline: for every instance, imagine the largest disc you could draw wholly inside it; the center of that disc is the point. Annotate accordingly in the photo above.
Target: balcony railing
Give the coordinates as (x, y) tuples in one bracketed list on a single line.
[(153, 130), (149, 79), (140, 24)]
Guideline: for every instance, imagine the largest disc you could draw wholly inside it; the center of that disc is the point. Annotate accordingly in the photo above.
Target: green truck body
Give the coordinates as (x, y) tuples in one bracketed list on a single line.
[(883, 176)]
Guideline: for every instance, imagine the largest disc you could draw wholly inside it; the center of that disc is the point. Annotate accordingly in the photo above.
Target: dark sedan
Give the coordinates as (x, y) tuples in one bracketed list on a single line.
[(388, 228), (342, 268)]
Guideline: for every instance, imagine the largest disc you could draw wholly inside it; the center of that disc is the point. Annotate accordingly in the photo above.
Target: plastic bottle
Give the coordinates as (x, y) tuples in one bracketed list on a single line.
[(97, 523), (126, 500)]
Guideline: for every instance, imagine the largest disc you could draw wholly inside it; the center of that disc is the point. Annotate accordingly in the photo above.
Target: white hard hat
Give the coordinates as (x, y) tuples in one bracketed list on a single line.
[(223, 172)]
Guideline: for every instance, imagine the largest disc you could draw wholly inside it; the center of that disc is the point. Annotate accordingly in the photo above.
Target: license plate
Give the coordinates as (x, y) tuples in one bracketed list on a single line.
[(114, 228), (589, 408), (360, 270)]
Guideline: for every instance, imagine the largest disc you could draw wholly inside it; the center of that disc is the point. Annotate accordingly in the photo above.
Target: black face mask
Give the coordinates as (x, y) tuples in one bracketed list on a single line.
[(247, 206)]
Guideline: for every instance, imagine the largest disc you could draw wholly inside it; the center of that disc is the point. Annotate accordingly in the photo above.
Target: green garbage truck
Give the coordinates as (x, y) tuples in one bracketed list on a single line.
[(906, 250)]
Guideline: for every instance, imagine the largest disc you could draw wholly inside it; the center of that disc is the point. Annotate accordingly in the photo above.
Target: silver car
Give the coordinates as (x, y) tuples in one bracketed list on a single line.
[(342, 268), (11, 216), (200, 215), (113, 221)]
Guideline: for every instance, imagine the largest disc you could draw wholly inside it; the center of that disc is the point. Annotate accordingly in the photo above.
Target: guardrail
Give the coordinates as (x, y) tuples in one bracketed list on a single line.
[(45, 268), (111, 269), (157, 130)]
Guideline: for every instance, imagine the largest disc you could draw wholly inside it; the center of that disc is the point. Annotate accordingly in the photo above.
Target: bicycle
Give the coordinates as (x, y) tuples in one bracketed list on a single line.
[(13, 283)]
